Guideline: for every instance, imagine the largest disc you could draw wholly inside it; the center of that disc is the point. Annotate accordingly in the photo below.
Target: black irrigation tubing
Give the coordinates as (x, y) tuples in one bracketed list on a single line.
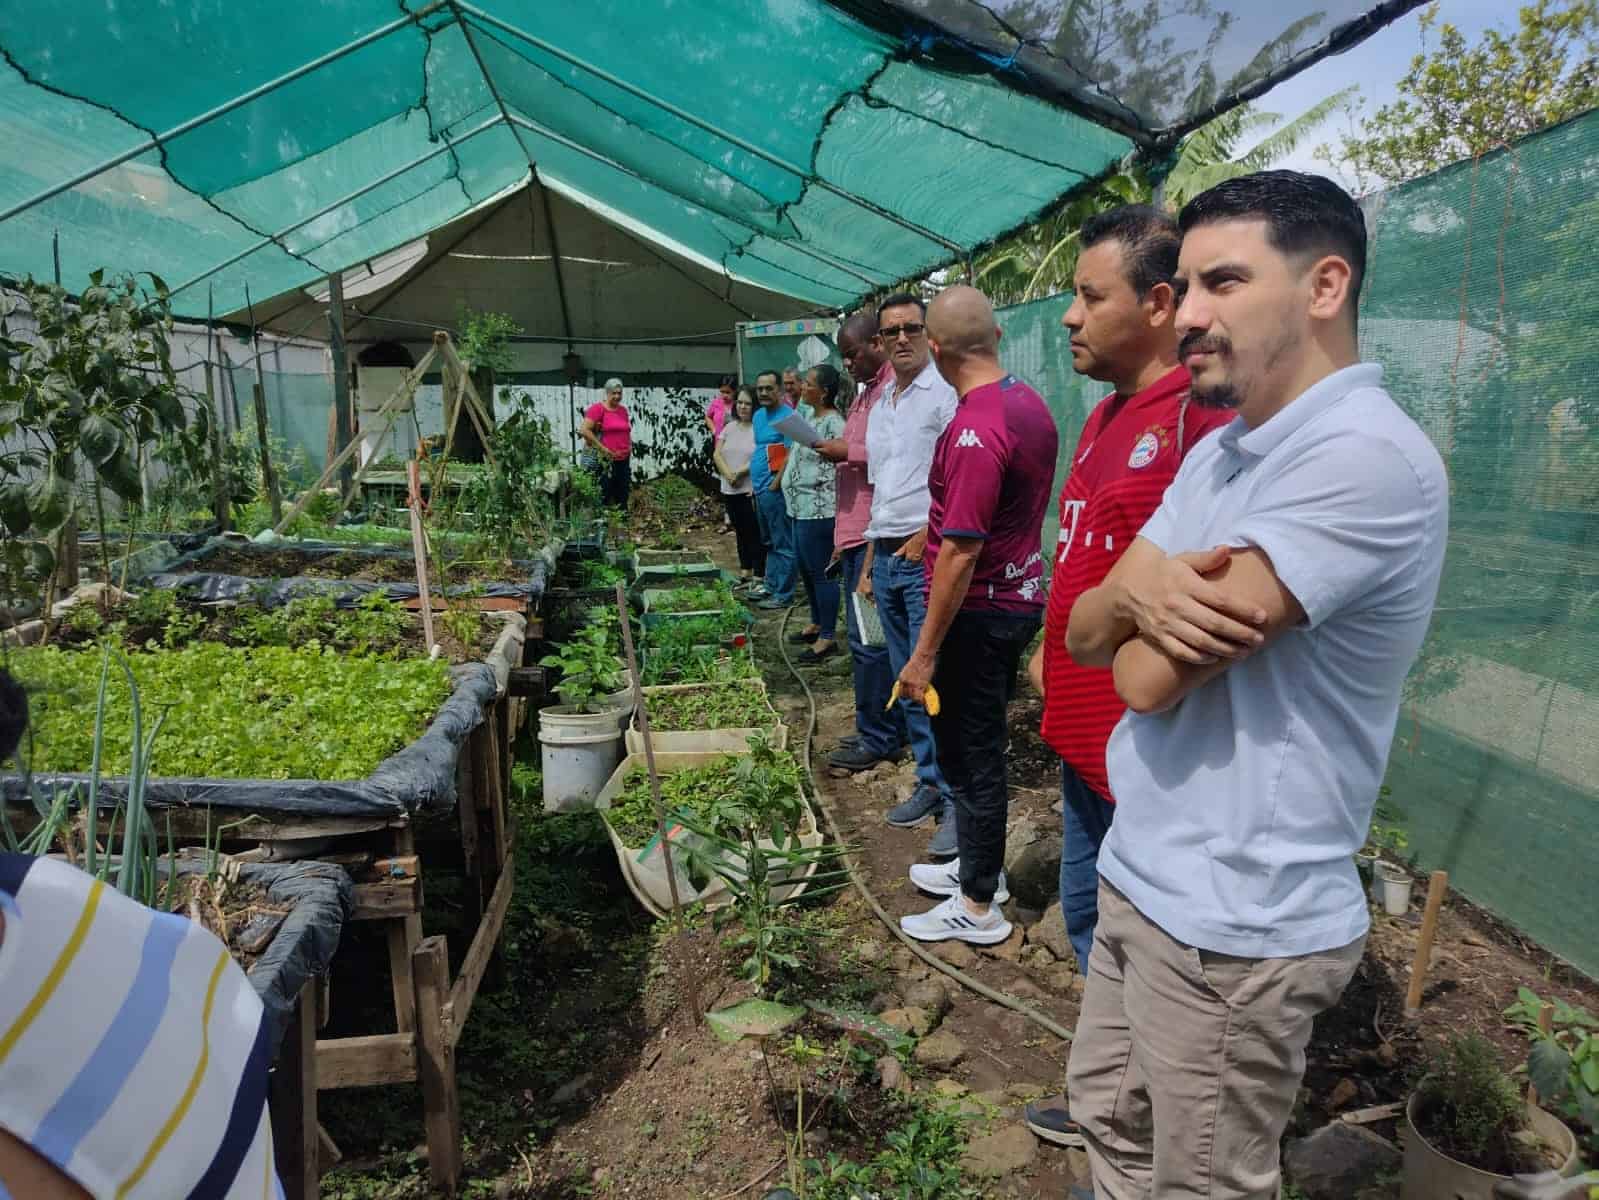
[(855, 876)]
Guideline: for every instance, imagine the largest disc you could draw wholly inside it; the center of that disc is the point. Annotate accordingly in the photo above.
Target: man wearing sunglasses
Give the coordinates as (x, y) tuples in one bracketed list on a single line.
[(901, 433)]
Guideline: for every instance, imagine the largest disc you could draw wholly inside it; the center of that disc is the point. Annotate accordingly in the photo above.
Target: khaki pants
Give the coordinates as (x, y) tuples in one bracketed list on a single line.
[(1186, 1063)]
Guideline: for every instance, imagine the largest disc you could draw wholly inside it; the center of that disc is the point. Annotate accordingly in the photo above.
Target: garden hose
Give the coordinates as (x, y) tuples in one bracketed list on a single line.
[(855, 876)]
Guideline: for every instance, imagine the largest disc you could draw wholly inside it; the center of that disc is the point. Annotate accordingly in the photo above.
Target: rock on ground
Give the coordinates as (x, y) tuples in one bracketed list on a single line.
[(1050, 932), (1013, 1148), (928, 994), (957, 954), (940, 1051), (1032, 863), (1339, 1160), (891, 1075), (914, 1021), (1011, 948)]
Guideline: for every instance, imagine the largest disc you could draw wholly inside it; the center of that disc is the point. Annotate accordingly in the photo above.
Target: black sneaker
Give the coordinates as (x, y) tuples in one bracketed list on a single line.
[(1052, 1121), (853, 758)]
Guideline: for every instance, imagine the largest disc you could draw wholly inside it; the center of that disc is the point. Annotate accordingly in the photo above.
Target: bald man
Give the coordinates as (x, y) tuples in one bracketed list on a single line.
[(993, 470)]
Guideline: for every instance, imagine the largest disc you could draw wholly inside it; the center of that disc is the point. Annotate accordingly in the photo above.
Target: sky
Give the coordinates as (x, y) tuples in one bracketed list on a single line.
[(1377, 65)]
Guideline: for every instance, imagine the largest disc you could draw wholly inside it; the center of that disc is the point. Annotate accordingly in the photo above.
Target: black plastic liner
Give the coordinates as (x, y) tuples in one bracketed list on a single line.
[(419, 777), (323, 897), (187, 575)]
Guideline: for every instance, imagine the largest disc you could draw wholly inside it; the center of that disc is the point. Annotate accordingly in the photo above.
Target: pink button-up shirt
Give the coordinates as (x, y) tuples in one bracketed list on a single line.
[(854, 492)]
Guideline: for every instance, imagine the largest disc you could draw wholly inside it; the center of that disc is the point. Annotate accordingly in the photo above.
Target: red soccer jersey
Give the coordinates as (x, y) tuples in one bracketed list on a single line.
[(1127, 454)]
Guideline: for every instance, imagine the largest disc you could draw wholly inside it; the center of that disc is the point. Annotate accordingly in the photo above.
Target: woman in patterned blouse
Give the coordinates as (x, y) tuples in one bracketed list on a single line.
[(811, 502)]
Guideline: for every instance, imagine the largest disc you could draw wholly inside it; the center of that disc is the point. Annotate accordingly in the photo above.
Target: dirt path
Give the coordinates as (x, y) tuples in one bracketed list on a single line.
[(592, 1073)]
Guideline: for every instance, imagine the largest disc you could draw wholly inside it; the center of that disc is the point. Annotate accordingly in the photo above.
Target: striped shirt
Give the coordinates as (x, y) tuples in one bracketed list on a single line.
[(1127, 454), (133, 1049)]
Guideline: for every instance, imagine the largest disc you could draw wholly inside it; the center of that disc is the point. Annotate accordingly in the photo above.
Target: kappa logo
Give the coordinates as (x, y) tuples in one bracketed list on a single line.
[(968, 437)]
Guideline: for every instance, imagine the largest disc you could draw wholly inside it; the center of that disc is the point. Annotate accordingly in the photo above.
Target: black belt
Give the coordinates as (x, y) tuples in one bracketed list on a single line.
[(892, 545)]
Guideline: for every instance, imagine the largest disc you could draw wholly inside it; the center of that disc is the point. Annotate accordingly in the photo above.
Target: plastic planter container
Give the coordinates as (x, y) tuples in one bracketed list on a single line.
[(1393, 885), (644, 868), (652, 617), (1430, 1174), (578, 752), (729, 740), (646, 559)]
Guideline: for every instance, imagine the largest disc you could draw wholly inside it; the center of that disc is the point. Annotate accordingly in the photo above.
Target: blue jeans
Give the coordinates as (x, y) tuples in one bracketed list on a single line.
[(1086, 816), (900, 591), (881, 733), (813, 547), (777, 531)]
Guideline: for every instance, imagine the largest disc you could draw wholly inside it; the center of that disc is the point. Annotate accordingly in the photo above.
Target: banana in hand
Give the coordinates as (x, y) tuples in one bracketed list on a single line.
[(929, 701)]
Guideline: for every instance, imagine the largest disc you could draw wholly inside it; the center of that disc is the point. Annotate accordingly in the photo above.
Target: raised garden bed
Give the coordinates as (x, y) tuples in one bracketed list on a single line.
[(629, 812), (707, 718), (416, 775), (673, 605), (376, 625), (656, 559), (232, 569)]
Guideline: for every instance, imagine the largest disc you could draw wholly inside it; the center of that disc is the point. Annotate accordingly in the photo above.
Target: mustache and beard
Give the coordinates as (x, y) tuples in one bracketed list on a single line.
[(1217, 393), (1232, 392)]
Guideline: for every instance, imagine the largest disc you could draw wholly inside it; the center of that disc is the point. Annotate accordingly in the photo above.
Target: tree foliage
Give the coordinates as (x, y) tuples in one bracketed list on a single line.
[(1458, 101), (91, 383), (1041, 260)]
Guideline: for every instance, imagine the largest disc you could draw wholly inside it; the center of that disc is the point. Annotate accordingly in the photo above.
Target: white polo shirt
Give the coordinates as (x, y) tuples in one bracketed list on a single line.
[(901, 433), (1238, 810)]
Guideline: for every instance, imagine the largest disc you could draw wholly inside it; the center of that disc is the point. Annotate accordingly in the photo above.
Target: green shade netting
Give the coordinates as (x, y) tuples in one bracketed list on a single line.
[(837, 160), (1479, 303)]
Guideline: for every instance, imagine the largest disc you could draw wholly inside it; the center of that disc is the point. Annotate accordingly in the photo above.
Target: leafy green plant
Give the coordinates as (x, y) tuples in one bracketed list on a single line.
[(1386, 832), (714, 597), (463, 622), (92, 384), (484, 339), (1564, 1062), (267, 713), (1471, 1110), (588, 665), (710, 708), (920, 1161)]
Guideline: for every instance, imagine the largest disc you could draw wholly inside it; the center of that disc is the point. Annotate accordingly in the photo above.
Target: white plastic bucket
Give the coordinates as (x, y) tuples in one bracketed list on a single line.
[(578, 752), (1393, 886)]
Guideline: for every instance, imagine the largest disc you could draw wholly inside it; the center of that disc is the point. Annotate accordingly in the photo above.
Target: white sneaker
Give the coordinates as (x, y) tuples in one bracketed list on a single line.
[(944, 879), (952, 920)]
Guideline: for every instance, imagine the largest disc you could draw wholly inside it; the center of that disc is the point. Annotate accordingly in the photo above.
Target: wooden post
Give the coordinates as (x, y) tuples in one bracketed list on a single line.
[(469, 784), (343, 426), (413, 482), (293, 1102), (649, 758), (269, 478), (219, 504), (404, 934), (1436, 887), (435, 1058)]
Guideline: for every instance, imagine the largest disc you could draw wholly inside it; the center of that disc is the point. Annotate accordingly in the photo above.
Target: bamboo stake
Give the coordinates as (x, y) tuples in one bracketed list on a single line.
[(419, 549), (474, 402), (1436, 887), (649, 756)]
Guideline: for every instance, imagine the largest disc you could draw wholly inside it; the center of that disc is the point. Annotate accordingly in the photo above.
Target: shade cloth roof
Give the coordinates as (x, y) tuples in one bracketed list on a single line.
[(817, 150)]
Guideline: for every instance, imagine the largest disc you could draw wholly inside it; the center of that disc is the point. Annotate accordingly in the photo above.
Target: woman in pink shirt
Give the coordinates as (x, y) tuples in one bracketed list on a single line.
[(716, 415), (608, 429)]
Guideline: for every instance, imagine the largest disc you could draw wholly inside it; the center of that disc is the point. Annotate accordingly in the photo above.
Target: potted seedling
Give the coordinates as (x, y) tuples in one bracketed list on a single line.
[(1468, 1128), (580, 738)]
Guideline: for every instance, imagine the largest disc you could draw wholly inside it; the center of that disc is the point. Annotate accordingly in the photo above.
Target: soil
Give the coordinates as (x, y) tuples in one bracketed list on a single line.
[(628, 1093), (238, 913), (352, 565)]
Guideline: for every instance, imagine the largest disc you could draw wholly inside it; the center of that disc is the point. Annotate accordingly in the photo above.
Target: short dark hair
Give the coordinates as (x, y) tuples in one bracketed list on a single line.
[(899, 300), (775, 374), (1306, 215), (728, 381), (1149, 241)]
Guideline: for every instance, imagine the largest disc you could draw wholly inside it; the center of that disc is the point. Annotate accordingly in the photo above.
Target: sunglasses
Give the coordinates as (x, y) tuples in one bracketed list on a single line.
[(909, 329)]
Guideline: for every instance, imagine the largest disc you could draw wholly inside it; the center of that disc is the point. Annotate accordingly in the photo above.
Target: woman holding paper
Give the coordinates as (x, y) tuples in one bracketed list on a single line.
[(808, 487), (735, 446)]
